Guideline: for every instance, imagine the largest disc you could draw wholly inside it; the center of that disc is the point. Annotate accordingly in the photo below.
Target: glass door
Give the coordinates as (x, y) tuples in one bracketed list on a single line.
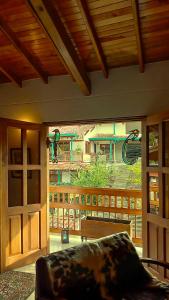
[(25, 198)]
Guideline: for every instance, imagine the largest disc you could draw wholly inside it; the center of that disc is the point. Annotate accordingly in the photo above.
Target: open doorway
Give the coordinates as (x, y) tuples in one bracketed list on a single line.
[(97, 173)]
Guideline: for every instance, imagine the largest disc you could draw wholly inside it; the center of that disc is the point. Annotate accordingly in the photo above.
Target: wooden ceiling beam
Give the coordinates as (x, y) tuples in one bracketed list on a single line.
[(136, 17), (55, 29), (93, 35), (10, 76), (17, 44)]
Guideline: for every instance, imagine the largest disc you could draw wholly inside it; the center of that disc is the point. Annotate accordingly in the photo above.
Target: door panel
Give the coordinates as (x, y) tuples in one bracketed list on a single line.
[(153, 240), (24, 205), (167, 249), (15, 231), (156, 190), (33, 230)]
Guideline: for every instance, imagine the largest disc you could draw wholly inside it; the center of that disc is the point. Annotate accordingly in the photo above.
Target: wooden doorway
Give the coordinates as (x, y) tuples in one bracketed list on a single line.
[(156, 191), (24, 232)]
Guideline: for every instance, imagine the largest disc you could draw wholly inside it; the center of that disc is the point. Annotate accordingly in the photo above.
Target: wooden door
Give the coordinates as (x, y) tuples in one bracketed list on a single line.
[(156, 191), (24, 232)]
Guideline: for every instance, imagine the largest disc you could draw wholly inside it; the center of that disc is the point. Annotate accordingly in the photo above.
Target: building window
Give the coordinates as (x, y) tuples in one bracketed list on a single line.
[(105, 148), (55, 177), (87, 147), (64, 146)]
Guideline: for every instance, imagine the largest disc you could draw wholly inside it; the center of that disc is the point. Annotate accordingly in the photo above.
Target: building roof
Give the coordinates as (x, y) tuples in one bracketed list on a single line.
[(68, 166), (46, 38), (108, 137), (76, 130)]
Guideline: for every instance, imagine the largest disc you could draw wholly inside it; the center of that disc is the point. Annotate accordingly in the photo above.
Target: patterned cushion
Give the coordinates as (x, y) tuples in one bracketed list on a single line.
[(104, 269), (154, 290)]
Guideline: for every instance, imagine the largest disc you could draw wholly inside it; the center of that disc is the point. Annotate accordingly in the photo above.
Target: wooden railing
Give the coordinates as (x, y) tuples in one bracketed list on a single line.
[(69, 204)]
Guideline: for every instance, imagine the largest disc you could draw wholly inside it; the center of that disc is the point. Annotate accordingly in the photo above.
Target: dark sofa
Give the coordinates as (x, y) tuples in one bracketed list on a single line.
[(108, 269)]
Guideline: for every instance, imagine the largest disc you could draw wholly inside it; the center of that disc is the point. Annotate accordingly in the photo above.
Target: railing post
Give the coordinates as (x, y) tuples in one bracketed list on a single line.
[(111, 152), (71, 148), (59, 177)]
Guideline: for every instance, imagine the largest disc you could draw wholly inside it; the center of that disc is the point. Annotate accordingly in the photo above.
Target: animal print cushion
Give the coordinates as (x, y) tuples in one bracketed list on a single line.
[(104, 269)]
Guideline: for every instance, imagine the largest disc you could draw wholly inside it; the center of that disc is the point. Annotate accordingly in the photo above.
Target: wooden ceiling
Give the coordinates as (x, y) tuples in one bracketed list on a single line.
[(42, 38)]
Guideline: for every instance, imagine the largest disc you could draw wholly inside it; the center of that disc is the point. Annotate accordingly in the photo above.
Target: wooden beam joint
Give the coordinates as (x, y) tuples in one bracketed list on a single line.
[(10, 76)]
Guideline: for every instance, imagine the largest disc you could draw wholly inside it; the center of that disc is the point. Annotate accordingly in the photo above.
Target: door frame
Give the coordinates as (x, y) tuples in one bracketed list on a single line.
[(159, 220)]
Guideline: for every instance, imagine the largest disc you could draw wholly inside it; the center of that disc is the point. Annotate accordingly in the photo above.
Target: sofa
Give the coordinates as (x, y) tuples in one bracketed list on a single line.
[(107, 269)]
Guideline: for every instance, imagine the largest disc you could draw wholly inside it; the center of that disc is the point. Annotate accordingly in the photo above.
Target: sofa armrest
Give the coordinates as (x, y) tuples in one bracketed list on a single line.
[(155, 262), (43, 289)]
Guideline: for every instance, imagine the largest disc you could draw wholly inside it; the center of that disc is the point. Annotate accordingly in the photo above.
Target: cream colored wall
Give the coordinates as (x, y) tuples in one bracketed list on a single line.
[(66, 176), (133, 125), (78, 145), (125, 93), (120, 128)]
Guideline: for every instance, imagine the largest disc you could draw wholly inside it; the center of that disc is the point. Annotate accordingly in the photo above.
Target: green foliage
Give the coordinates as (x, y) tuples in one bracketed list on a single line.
[(103, 175), (96, 175), (131, 174)]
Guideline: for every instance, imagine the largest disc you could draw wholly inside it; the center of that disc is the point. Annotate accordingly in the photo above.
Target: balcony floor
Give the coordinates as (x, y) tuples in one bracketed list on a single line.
[(56, 245)]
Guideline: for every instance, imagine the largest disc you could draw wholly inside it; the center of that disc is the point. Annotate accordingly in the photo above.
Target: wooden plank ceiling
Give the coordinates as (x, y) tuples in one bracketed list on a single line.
[(42, 38)]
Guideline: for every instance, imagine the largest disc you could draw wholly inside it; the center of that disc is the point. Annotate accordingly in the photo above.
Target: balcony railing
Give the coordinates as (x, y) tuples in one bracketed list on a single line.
[(69, 156), (69, 204), (74, 156)]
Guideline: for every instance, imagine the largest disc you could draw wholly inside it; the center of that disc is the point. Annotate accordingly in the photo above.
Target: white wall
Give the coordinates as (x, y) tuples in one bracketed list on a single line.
[(125, 93), (133, 125), (66, 176)]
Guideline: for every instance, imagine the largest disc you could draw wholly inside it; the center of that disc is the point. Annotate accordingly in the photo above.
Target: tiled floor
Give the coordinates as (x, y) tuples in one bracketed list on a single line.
[(56, 245)]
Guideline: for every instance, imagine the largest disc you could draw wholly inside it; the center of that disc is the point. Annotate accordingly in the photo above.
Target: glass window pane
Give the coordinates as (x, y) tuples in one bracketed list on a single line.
[(153, 142), (153, 193), (167, 196), (15, 153), (15, 188), (166, 143), (33, 186), (33, 144)]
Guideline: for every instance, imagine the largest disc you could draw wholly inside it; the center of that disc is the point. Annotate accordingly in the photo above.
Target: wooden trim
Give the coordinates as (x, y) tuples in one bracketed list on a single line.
[(93, 35), (26, 258), (24, 149), (21, 124), (96, 191), (155, 219), (138, 34), (51, 22), (156, 118), (47, 197), (95, 121), (144, 188), (19, 46), (13, 78), (4, 200), (44, 218), (165, 170), (24, 167), (18, 210), (152, 169), (96, 208)]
